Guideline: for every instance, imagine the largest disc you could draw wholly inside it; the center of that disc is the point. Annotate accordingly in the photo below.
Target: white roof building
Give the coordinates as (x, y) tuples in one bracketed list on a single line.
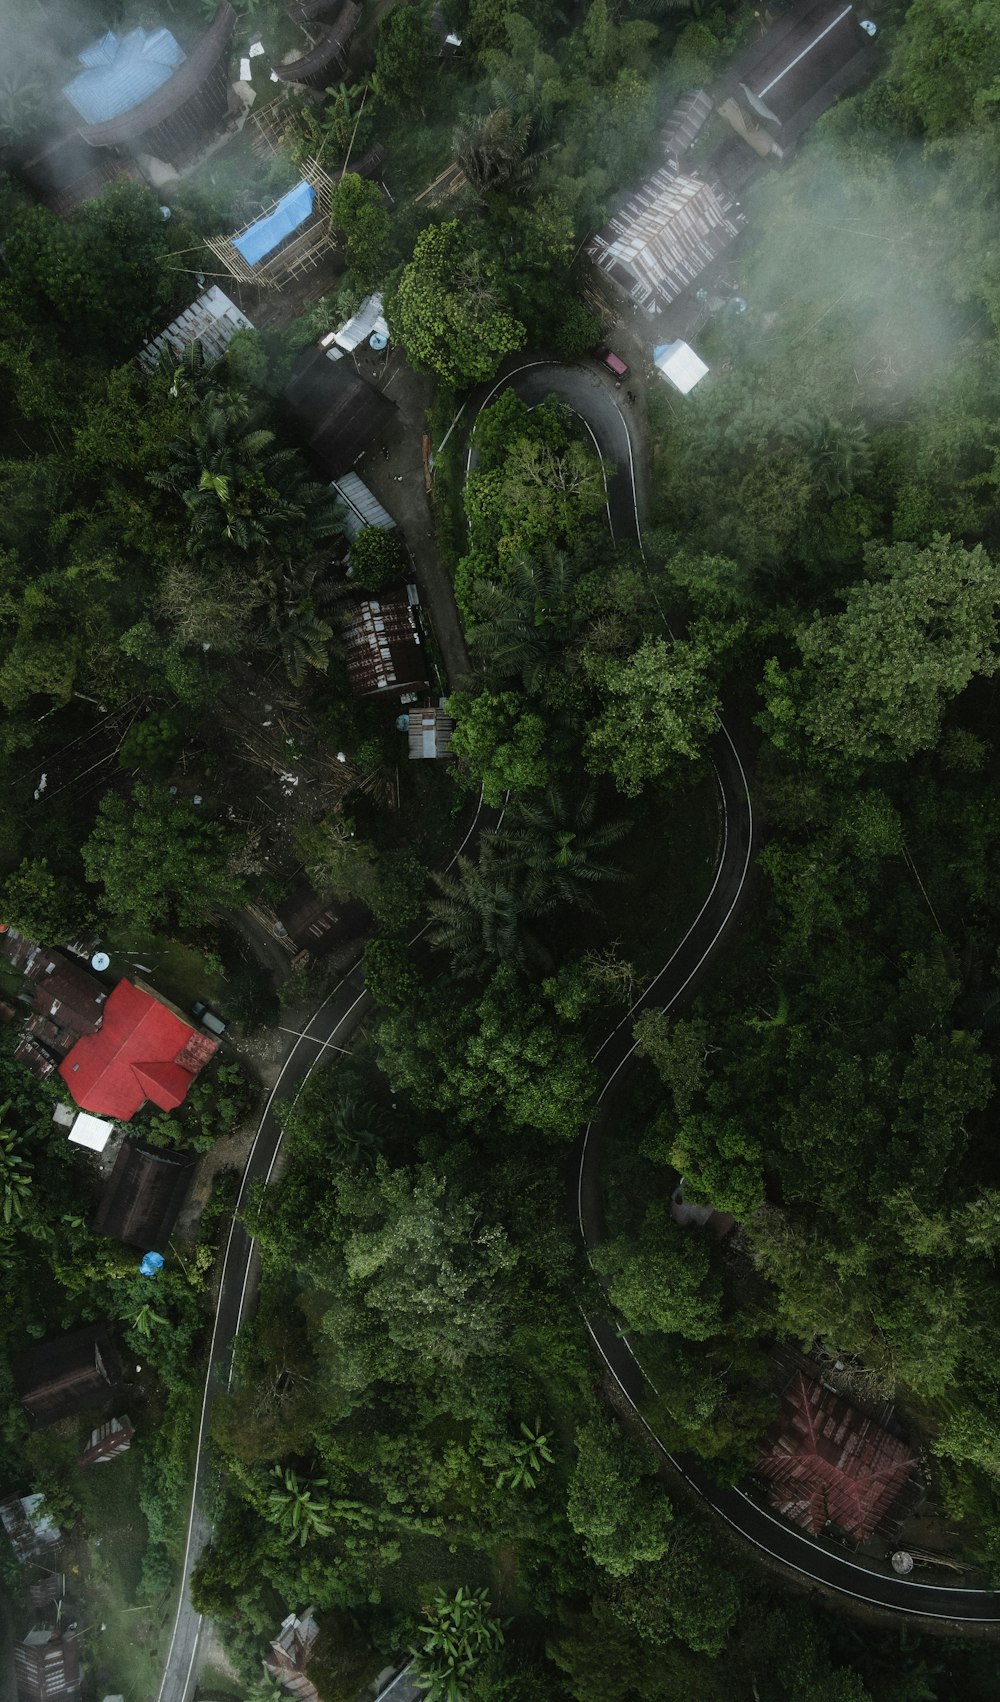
[(679, 365), (369, 320)]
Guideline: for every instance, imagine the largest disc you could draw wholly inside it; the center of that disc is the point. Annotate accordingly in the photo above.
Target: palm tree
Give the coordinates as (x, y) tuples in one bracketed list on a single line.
[(238, 489), (295, 1509), (492, 149), (839, 455), (15, 1173), (559, 849), (295, 596), (358, 1128), (481, 918), (522, 625)]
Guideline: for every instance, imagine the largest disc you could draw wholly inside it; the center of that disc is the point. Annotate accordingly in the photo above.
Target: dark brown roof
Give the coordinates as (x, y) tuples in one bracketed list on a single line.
[(34, 1057), (800, 67), (336, 410), (67, 994), (66, 1375), (331, 49), (384, 654), (318, 924), (47, 1666), (145, 1192), (167, 103)]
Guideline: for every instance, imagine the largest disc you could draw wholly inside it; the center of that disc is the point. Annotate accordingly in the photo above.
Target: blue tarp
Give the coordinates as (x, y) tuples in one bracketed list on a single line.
[(150, 1264), (292, 211), (122, 73)]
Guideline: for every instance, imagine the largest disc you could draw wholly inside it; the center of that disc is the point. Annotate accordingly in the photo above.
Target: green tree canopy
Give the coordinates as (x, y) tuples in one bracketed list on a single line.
[(448, 310)]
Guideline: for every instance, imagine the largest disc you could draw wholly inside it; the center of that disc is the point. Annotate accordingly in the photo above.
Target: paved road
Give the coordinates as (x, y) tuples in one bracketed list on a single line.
[(815, 1560), (331, 1025)]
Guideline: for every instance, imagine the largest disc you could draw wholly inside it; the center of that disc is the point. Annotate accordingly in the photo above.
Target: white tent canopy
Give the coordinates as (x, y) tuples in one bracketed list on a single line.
[(92, 1132), (680, 365)]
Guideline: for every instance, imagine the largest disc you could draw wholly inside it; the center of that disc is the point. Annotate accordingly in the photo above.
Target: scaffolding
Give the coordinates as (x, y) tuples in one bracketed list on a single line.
[(301, 250)]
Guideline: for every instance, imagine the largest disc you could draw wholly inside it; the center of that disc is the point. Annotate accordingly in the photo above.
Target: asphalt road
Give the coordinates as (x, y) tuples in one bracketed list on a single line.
[(817, 1561), (343, 1009), (330, 1026)]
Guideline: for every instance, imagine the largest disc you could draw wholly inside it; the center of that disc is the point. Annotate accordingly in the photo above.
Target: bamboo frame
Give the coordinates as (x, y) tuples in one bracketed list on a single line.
[(298, 254)]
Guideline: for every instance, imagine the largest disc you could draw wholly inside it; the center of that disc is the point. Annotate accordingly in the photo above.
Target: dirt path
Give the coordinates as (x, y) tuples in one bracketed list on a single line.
[(399, 485)]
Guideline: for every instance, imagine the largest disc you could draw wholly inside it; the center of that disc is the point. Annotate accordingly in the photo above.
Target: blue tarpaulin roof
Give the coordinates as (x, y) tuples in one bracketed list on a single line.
[(120, 74), (292, 211)]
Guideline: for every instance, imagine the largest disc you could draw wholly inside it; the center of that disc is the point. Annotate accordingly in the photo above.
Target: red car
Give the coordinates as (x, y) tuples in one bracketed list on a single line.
[(614, 363)]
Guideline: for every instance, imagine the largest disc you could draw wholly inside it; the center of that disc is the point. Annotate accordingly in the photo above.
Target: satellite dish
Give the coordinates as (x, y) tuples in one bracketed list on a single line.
[(378, 340), (100, 960), (902, 1563)]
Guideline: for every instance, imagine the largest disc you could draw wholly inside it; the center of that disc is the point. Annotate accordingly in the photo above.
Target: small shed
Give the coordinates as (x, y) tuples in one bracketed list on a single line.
[(361, 507), (290, 1654), (679, 365), (368, 320), (49, 1587), (144, 1194), (288, 240), (107, 1442), (28, 1526), (385, 657), (47, 1666), (335, 410), (429, 732), (66, 1375)]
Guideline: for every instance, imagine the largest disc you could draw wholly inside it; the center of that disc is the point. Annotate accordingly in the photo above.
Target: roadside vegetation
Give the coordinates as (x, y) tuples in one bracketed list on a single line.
[(418, 1442)]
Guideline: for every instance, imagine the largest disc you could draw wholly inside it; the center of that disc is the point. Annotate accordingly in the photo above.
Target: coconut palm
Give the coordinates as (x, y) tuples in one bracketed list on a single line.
[(295, 1508), (559, 848), (481, 917), (523, 624), (839, 454), (493, 150), (358, 1128), (241, 492)]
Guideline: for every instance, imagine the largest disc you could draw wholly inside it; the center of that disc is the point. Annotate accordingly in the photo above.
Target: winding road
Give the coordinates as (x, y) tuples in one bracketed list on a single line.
[(343, 1009)]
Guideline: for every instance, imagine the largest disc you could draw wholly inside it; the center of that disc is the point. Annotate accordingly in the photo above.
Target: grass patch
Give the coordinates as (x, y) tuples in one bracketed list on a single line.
[(181, 972), (126, 1650)]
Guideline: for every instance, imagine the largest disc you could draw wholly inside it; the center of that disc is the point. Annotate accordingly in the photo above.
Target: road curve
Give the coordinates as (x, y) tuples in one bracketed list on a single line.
[(813, 1560)]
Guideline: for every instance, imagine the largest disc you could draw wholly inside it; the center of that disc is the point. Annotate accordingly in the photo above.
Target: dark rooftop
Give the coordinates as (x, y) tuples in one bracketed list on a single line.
[(336, 410), (144, 1193), (66, 1375)]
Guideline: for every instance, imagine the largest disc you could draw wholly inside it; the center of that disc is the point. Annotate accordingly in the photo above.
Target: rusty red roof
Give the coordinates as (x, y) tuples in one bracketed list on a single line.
[(827, 1462)]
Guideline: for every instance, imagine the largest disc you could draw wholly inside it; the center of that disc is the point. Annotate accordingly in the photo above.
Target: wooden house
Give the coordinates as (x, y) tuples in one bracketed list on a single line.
[(662, 239), (385, 657), (143, 1195), (66, 1375)]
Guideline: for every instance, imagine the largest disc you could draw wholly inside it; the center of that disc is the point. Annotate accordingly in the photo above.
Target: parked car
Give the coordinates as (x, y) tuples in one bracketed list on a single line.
[(208, 1019), (614, 363)]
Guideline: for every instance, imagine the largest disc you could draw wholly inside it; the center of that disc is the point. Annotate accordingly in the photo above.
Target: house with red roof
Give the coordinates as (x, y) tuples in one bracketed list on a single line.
[(826, 1463), (142, 1050)]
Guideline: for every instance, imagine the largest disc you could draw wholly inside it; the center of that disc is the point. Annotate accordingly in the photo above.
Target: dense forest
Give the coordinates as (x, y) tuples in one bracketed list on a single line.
[(419, 1441)]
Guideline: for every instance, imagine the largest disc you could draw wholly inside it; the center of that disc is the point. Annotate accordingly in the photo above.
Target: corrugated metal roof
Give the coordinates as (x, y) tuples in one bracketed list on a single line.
[(119, 74), (361, 507), (212, 320)]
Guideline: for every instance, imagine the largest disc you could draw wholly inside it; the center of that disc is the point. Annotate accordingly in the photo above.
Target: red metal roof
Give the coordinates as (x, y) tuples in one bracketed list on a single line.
[(142, 1051), (827, 1462)]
